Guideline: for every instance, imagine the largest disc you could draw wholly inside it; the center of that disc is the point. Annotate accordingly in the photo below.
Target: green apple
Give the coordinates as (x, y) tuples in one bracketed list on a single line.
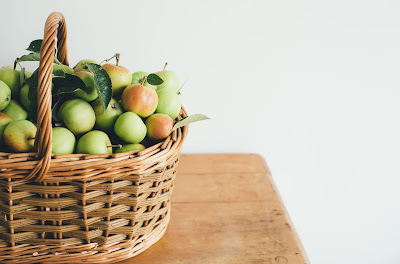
[(4, 121), (140, 100), (88, 79), (130, 147), (105, 120), (16, 111), (94, 142), (138, 77), (77, 115), (159, 126), (24, 96), (11, 78), (60, 70), (169, 103), (120, 77), (80, 66), (28, 74), (170, 79), (63, 141), (5, 95), (130, 128), (19, 136)]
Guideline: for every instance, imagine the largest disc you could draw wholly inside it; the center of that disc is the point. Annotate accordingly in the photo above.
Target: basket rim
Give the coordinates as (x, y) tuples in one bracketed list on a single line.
[(104, 156), (86, 167)]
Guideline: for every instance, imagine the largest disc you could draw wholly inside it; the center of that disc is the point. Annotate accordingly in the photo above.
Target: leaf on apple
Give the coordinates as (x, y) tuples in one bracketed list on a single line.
[(103, 84), (30, 57), (68, 84), (190, 119), (35, 45), (22, 76), (64, 85), (56, 107), (32, 95), (154, 79), (34, 57)]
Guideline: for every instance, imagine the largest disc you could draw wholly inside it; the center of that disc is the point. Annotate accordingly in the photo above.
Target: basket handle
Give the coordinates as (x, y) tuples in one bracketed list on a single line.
[(55, 27)]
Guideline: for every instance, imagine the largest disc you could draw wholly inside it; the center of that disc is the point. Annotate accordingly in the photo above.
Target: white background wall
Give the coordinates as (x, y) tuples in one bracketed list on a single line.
[(313, 86)]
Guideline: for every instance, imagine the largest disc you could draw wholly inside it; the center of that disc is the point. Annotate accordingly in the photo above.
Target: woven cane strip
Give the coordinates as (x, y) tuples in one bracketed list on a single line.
[(54, 25), (105, 225)]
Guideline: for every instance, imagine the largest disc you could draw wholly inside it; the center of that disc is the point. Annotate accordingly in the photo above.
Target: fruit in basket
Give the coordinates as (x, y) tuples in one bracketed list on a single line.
[(19, 136), (120, 77), (63, 141), (171, 81), (4, 121), (130, 128), (169, 103), (138, 77), (23, 95), (105, 120), (60, 70), (80, 66), (15, 111), (159, 126), (5, 95), (130, 147), (77, 115), (88, 79), (11, 78), (28, 74), (94, 142), (139, 99)]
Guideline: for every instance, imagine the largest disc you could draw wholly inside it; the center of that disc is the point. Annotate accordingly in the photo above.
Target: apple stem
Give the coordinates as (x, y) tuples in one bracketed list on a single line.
[(117, 58), (15, 63), (165, 66), (144, 80), (115, 146), (117, 55)]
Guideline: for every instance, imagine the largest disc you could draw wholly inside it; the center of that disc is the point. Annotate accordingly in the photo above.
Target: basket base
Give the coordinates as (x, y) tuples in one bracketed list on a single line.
[(90, 253)]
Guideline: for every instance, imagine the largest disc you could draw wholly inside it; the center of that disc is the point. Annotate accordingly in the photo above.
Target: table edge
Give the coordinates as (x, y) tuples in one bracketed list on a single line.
[(290, 223)]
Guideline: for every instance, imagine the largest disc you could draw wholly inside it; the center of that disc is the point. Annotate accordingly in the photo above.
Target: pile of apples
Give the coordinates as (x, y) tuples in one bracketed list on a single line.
[(138, 115)]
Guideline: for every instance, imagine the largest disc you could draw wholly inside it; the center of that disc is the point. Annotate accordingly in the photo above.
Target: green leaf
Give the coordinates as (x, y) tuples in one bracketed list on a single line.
[(54, 111), (35, 45), (154, 79), (32, 95), (30, 57), (34, 57), (22, 76), (62, 87), (68, 84), (190, 119), (56, 106), (103, 84)]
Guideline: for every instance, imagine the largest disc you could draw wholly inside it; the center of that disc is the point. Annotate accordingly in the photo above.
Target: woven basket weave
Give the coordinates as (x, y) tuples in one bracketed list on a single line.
[(82, 208)]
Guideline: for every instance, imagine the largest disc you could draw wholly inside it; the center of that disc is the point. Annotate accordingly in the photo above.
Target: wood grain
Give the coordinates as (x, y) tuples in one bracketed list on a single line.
[(225, 210)]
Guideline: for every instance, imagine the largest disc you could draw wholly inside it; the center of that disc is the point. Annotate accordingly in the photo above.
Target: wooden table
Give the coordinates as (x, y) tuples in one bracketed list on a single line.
[(225, 210)]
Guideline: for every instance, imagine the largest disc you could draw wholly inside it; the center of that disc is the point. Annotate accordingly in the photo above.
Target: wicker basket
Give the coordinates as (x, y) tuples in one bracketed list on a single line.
[(82, 208)]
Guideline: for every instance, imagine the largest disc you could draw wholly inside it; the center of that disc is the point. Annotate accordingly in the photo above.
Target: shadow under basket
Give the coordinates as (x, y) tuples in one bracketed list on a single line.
[(82, 208)]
